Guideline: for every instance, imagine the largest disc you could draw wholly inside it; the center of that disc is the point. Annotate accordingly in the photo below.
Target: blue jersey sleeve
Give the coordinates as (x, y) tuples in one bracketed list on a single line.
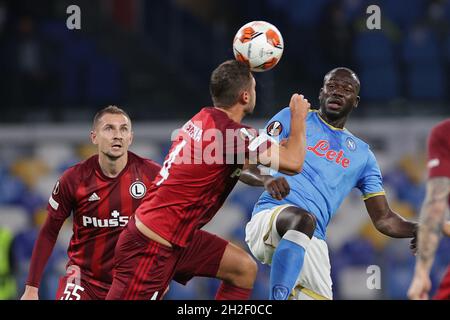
[(279, 126), (371, 182)]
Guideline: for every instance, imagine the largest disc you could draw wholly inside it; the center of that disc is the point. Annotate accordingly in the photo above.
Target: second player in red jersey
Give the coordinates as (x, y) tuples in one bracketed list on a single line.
[(433, 214), (198, 174)]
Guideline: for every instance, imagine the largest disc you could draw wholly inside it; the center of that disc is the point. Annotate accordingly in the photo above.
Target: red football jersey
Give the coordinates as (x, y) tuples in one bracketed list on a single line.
[(101, 207), (439, 151), (201, 169)]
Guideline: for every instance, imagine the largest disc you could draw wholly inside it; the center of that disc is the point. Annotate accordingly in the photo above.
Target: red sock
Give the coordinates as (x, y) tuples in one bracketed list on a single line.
[(229, 292)]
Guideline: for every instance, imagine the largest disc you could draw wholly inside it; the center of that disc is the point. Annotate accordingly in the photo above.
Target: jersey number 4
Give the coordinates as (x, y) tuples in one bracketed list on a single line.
[(164, 173)]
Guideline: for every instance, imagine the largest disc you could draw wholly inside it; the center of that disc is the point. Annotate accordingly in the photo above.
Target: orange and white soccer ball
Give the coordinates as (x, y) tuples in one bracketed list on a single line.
[(259, 44)]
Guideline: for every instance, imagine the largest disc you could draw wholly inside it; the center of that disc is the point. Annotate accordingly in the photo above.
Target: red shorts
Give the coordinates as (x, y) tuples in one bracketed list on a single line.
[(201, 258), (144, 268), (76, 287), (443, 292)]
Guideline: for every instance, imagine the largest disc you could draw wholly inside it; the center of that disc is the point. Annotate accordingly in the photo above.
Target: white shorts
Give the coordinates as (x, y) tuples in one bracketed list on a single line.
[(314, 281)]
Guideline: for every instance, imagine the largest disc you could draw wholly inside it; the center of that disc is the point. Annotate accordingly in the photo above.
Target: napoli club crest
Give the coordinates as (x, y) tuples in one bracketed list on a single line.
[(138, 190), (351, 144)]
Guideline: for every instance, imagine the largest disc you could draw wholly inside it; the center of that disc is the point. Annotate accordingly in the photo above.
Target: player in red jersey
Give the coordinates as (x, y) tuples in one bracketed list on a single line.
[(101, 193), (433, 214), (199, 172)]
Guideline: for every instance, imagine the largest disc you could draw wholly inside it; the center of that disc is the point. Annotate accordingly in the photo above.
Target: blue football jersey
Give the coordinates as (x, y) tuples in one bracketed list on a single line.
[(336, 162)]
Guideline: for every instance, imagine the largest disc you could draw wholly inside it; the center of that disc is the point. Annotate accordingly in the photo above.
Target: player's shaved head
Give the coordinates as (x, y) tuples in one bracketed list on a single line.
[(109, 110), (339, 95), (228, 80), (343, 71)]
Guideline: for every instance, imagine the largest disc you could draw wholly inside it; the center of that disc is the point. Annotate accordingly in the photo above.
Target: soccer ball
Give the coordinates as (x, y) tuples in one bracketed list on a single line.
[(259, 44)]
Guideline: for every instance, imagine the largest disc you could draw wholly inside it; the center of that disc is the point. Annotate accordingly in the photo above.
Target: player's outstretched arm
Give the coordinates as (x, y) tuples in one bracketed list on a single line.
[(41, 253), (387, 221), (278, 187), (289, 157)]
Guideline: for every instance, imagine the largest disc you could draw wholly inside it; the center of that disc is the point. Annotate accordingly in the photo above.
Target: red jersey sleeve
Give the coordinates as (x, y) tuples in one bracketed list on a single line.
[(61, 200), (59, 208), (439, 151), (43, 249)]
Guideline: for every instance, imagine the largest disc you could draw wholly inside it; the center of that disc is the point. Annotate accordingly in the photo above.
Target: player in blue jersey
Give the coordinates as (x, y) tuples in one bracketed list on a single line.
[(281, 231)]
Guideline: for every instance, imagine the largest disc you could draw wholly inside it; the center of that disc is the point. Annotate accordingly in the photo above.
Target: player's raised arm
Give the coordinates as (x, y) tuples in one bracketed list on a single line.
[(289, 157)]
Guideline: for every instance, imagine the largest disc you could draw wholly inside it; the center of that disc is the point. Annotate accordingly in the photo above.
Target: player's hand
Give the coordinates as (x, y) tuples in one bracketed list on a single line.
[(420, 287), (31, 293), (278, 188), (299, 106)]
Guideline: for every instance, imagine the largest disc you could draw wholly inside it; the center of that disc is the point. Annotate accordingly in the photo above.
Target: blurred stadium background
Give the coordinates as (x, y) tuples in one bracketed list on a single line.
[(154, 58)]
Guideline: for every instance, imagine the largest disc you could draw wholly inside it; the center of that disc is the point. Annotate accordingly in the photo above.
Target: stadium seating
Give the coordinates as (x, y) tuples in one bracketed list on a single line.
[(406, 19), (381, 82), (14, 218), (20, 205)]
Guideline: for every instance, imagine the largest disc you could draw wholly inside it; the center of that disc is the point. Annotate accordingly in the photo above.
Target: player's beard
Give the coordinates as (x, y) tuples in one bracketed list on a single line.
[(250, 107)]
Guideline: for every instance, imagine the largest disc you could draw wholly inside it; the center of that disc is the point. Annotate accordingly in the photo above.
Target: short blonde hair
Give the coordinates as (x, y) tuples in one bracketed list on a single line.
[(108, 110)]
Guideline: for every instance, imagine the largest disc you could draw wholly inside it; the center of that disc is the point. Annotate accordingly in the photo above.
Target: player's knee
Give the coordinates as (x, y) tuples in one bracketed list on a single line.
[(305, 223), (299, 220)]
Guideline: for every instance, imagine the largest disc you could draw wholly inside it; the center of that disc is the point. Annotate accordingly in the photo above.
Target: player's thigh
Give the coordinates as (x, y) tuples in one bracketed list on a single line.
[(143, 275), (202, 257), (142, 268), (261, 234)]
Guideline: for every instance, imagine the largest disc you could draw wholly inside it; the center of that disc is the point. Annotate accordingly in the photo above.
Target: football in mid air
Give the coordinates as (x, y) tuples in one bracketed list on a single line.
[(259, 44)]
